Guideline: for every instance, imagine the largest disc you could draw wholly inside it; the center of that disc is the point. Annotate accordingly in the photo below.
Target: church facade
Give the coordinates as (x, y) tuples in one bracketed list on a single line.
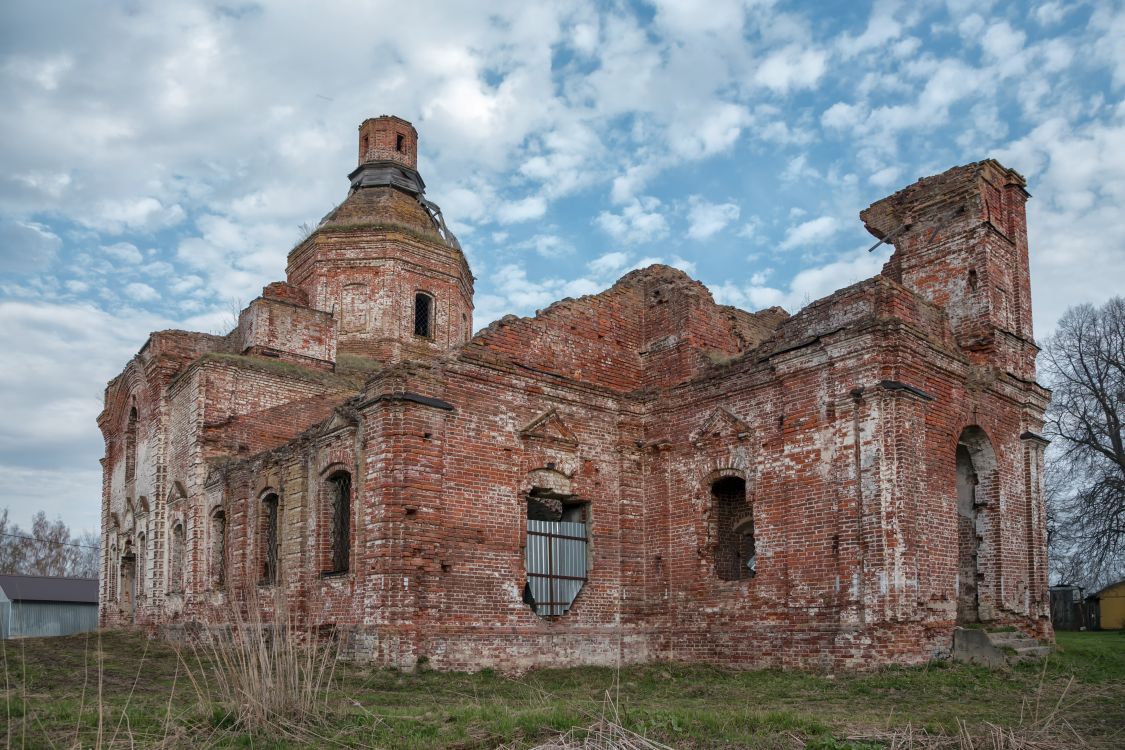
[(640, 474)]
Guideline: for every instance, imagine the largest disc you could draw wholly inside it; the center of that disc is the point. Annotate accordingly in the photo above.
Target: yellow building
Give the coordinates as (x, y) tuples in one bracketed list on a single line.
[(1111, 604)]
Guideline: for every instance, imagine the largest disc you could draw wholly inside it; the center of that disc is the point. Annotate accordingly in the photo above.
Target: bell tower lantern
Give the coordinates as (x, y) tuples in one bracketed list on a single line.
[(383, 262), (388, 138)]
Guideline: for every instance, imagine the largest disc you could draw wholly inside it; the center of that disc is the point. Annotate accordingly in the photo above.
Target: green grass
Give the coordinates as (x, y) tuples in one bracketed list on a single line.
[(148, 699)]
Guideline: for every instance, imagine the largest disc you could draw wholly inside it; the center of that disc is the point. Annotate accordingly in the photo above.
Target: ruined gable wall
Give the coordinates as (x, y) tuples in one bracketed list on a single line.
[(849, 574), (653, 328)]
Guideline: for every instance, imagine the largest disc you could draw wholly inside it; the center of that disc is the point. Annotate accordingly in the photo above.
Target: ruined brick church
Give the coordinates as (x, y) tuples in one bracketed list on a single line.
[(640, 474)]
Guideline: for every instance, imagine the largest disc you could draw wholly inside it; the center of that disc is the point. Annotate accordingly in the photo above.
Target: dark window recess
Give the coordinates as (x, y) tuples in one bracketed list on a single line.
[(131, 446), (735, 555), (423, 314), (269, 539), (218, 549), (399, 141), (556, 553), (340, 486), (176, 574)]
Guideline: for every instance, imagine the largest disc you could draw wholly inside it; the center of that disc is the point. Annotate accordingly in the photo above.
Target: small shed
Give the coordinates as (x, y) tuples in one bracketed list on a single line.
[(47, 605), (1110, 603), (1068, 611)]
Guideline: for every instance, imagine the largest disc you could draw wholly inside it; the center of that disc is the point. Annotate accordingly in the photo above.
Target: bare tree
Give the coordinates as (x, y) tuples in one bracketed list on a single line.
[(46, 549), (1084, 363)]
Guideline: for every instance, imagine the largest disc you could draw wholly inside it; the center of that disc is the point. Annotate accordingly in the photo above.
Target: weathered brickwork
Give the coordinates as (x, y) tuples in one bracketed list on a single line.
[(839, 488)]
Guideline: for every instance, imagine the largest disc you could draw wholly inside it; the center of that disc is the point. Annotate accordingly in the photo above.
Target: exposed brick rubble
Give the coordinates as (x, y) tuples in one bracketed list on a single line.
[(837, 488)]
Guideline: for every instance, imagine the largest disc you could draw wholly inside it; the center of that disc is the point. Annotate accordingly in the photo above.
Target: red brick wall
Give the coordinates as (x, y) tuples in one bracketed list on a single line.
[(842, 420)]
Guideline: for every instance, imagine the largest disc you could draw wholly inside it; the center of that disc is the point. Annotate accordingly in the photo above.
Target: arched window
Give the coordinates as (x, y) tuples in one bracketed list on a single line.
[(270, 541), (735, 554), (423, 315), (131, 446), (976, 488), (339, 519), (176, 569), (218, 549)]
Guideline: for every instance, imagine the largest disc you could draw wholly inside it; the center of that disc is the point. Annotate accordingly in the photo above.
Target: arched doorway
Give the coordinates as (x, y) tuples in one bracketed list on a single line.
[(976, 471)]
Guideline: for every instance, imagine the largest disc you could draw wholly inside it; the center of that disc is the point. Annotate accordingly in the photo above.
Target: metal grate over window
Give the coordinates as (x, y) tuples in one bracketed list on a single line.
[(341, 521), (556, 564), (423, 314)]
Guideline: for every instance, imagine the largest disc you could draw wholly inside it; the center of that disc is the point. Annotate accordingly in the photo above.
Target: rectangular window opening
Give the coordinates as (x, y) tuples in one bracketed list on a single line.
[(423, 315), (556, 554)]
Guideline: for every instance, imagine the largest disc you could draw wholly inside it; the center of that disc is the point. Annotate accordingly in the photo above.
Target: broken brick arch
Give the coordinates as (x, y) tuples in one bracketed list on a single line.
[(978, 496)]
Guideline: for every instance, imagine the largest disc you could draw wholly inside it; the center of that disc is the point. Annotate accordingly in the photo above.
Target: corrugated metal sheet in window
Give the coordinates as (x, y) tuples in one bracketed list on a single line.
[(556, 564)]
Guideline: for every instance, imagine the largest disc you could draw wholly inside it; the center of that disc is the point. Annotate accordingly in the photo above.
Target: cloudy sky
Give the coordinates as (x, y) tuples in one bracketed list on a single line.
[(159, 157)]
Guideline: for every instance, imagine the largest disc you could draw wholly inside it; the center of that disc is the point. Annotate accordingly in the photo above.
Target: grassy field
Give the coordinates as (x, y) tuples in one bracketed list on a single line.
[(119, 690)]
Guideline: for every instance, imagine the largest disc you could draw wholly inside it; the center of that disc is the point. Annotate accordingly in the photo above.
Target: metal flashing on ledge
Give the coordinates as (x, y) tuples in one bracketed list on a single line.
[(898, 385), (387, 173), (1034, 437), (414, 398)]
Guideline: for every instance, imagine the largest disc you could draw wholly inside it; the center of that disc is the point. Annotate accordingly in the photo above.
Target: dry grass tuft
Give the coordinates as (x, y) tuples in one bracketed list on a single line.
[(263, 675), (607, 733)]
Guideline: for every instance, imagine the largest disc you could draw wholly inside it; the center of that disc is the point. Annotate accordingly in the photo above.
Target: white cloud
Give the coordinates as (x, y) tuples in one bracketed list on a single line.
[(793, 67), (26, 246), (136, 214), (547, 245), (810, 232), (125, 252), (141, 292), (843, 116), (525, 209), (638, 222), (708, 219), (806, 286), (609, 262), (882, 28)]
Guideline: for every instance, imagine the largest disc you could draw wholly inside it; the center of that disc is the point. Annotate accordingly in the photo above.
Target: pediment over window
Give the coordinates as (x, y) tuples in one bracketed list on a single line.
[(721, 425), (338, 421), (551, 428)]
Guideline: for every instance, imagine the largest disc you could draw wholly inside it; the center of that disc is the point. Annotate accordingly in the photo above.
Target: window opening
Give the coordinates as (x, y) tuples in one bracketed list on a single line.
[(128, 581), (179, 546), (269, 539), (423, 314), (218, 549), (399, 141), (735, 553), (142, 554), (340, 486), (131, 446), (556, 552)]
